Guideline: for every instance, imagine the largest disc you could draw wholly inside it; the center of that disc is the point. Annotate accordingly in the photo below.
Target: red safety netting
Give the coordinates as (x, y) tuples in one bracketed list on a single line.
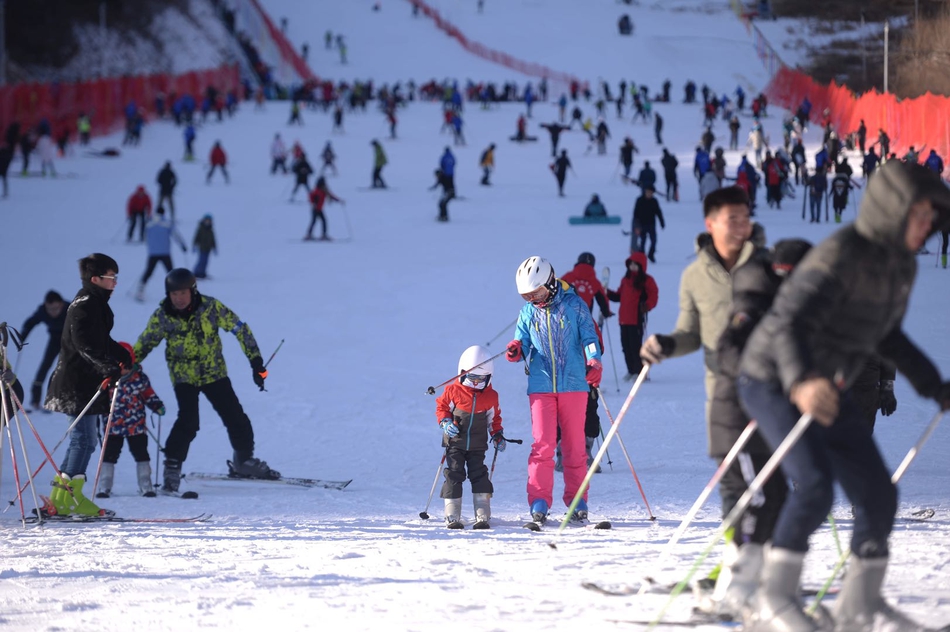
[(284, 47), (104, 100), (923, 121), (527, 68)]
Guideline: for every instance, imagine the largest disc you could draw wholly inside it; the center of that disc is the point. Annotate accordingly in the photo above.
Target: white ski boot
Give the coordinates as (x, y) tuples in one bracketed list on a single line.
[(453, 513), (143, 472), (105, 480), (777, 605), (739, 578), (482, 503), (860, 607)]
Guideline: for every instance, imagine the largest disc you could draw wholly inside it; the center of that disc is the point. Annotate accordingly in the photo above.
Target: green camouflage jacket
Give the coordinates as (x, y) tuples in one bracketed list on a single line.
[(193, 348)]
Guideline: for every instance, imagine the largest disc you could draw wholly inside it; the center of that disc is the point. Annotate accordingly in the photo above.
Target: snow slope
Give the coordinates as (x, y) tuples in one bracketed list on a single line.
[(369, 324)]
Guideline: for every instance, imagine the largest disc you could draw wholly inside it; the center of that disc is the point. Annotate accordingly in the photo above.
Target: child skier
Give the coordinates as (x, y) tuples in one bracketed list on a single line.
[(128, 421), (637, 295), (463, 412)]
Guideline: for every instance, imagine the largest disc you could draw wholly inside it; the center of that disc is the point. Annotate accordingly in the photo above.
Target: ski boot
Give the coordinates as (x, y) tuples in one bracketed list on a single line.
[(777, 604), (453, 513), (860, 601), (143, 473), (482, 504), (105, 480), (539, 511), (580, 512), (251, 468), (68, 499), (172, 478), (738, 579), (590, 457)]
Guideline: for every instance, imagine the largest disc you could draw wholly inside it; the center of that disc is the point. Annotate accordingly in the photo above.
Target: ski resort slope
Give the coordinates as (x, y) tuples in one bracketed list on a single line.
[(371, 320)]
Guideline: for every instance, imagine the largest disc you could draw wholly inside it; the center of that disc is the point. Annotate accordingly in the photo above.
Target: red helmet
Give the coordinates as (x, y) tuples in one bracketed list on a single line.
[(128, 348)]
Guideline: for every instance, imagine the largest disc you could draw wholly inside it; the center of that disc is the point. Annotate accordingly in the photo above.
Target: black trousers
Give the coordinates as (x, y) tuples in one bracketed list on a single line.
[(166, 196), (278, 163), (758, 522), (138, 446), (298, 184), (225, 402), (215, 168), (378, 178), (642, 241), (165, 260), (456, 462), (49, 357), (631, 339), (137, 218), (314, 216)]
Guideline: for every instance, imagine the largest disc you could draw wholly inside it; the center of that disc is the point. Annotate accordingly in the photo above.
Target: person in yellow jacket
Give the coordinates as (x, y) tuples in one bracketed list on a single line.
[(84, 127), (487, 163)]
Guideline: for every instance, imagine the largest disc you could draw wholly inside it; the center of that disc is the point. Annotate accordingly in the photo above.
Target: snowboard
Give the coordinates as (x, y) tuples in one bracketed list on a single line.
[(605, 219)]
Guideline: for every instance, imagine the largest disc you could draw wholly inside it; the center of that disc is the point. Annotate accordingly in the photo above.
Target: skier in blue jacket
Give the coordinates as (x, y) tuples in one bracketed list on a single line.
[(556, 336), (447, 165), (158, 237)]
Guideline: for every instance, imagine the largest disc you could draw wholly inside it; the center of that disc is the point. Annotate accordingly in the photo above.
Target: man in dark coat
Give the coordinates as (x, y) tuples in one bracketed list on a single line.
[(645, 214), (51, 313), (554, 129), (844, 304), (560, 167), (166, 187), (88, 362)]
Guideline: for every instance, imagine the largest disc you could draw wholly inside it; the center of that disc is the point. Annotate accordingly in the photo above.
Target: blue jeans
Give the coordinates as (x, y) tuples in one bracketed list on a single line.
[(201, 268), (83, 441), (845, 453)]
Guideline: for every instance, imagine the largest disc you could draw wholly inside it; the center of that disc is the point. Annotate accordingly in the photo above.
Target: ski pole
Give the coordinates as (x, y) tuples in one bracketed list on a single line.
[(158, 442), (499, 334), (603, 448), (492, 471), (623, 449), (607, 452), (424, 514), (613, 359), (895, 478), (703, 496), (56, 447), (275, 353), (754, 488), (431, 389), (105, 436), (349, 227)]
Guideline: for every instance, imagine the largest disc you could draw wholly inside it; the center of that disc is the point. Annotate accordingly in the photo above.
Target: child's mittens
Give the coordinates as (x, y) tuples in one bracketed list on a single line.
[(161, 410), (499, 440), (449, 428)]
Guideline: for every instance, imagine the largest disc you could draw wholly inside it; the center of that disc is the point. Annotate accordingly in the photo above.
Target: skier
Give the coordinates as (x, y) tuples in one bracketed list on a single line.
[(89, 360), (218, 159), (338, 119), (754, 287), (627, 150), (318, 197), (470, 417), (803, 360), (934, 162), (278, 154), (574, 357), (447, 166), (583, 278), (798, 160), (670, 163), (560, 167), (647, 177), (554, 130), (301, 170), (138, 210), (46, 148), (204, 244), (6, 157), (159, 234), (189, 142), (295, 114), (458, 138), (817, 189), (84, 127), (135, 393), (602, 135), (871, 161), (379, 161), (734, 126), (658, 129), (167, 180), (646, 212), (189, 322), (329, 158), (448, 193), (52, 313), (637, 295), (840, 186), (487, 163)]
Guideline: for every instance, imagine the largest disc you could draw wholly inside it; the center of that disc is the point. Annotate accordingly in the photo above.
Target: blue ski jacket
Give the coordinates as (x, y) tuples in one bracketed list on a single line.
[(557, 341)]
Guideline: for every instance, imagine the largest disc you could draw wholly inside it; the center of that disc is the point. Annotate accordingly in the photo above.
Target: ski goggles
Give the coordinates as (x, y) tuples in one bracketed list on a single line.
[(476, 379), (538, 296)]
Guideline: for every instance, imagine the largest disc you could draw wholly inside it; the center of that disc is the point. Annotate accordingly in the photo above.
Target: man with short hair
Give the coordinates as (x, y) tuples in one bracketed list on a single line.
[(188, 322), (53, 314), (89, 362)]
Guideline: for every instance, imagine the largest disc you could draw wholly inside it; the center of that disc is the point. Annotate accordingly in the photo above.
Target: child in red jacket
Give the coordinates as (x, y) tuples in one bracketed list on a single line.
[(469, 414), (637, 295), (218, 159)]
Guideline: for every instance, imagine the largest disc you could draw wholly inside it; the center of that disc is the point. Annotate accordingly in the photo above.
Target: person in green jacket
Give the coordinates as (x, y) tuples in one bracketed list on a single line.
[(188, 322), (378, 164)]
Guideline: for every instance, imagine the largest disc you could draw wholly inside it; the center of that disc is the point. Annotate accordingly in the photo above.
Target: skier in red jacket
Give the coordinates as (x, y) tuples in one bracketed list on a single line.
[(139, 209), (218, 159), (637, 295), (319, 196)]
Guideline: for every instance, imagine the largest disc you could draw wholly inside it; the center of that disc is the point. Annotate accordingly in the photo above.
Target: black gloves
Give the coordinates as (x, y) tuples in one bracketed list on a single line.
[(887, 401), (260, 373)]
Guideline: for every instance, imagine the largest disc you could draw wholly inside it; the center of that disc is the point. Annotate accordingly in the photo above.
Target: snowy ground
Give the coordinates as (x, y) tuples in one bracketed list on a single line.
[(369, 324)]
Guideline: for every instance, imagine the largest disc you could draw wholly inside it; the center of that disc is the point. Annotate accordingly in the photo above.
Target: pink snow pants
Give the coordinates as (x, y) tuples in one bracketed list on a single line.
[(548, 411)]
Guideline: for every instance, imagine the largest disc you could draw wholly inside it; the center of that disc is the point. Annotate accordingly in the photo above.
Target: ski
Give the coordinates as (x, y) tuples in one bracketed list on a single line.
[(203, 517), (655, 588), (299, 482), (694, 622)]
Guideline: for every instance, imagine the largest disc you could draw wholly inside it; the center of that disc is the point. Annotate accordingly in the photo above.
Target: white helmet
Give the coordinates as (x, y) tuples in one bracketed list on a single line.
[(478, 359), (534, 272)]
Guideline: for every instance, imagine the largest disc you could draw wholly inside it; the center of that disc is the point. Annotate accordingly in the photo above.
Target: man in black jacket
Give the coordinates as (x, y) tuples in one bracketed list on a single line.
[(645, 213), (670, 163), (845, 303), (166, 187), (89, 361), (52, 313)]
